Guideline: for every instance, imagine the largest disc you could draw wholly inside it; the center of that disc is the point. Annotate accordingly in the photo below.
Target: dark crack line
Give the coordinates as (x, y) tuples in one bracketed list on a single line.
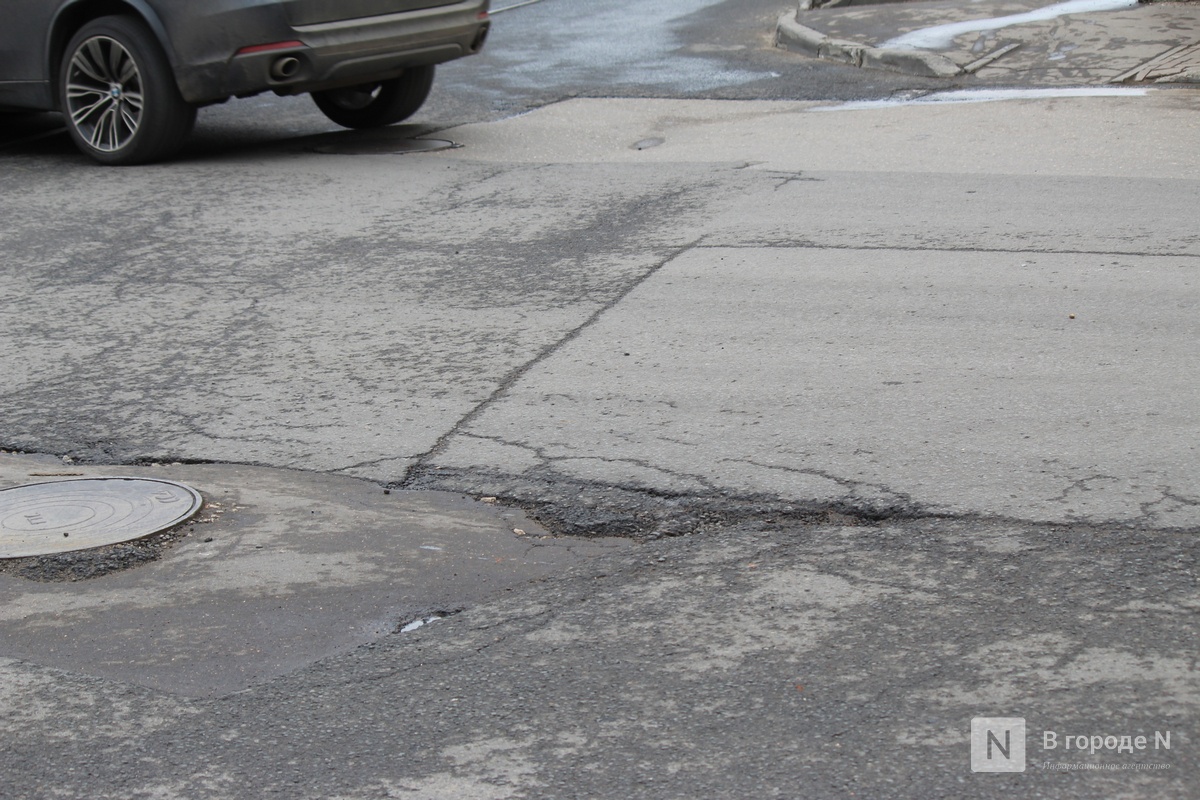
[(810, 245), (843, 482), (704, 482), (511, 379), (395, 641), (1178, 498), (374, 462), (548, 460), (1081, 485), (1151, 508), (787, 178)]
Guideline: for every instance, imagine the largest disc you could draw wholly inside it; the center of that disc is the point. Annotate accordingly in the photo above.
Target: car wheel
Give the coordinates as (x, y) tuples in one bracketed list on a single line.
[(372, 105), (118, 94)]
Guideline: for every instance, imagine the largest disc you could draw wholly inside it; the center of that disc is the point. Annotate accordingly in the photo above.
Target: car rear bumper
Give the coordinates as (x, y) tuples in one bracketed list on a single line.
[(261, 50)]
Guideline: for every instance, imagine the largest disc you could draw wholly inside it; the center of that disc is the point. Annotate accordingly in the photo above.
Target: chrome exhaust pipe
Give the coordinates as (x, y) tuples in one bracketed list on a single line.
[(285, 67)]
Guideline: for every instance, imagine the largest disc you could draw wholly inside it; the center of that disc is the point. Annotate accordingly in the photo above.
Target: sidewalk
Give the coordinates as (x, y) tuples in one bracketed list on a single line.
[(1137, 44)]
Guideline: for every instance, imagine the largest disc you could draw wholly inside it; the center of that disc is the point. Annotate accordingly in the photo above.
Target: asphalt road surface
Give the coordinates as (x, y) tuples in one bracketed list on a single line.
[(726, 440)]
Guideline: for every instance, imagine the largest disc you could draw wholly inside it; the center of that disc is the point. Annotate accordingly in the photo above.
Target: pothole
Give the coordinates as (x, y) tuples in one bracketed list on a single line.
[(584, 509), (46, 519)]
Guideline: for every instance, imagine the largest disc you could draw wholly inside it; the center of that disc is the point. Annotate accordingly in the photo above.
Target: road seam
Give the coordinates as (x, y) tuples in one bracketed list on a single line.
[(929, 249)]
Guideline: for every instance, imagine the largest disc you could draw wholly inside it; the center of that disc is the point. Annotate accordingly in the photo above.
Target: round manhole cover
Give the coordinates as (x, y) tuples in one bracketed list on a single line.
[(45, 518)]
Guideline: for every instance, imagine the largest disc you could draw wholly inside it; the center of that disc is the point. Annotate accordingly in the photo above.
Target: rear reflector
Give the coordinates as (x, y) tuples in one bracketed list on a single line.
[(263, 48)]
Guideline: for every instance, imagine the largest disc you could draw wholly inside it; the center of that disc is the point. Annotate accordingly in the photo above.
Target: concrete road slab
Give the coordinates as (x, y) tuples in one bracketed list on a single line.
[(1078, 136), (280, 570), (335, 313), (942, 344), (1044, 388)]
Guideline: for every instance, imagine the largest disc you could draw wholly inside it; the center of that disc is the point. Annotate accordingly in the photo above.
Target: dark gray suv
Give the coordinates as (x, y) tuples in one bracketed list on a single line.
[(128, 75)]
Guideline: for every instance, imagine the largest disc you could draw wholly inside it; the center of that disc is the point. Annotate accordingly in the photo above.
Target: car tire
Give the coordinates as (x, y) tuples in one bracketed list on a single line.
[(373, 105), (118, 94)]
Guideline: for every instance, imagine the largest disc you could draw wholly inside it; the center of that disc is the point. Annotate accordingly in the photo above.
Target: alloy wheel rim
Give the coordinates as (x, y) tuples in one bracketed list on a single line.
[(104, 94)]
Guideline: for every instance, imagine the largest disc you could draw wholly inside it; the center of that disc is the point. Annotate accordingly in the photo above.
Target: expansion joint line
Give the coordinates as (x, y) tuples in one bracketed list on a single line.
[(519, 372), (913, 248)]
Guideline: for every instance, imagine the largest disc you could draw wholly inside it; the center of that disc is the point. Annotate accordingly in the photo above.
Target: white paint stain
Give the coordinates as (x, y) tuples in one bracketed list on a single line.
[(989, 96), (940, 37)]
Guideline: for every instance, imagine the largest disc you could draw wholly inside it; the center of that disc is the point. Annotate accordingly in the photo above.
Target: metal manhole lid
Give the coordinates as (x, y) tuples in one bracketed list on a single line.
[(45, 518)]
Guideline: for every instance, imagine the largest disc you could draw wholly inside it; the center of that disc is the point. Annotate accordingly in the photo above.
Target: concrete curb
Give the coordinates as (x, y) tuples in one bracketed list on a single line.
[(791, 35)]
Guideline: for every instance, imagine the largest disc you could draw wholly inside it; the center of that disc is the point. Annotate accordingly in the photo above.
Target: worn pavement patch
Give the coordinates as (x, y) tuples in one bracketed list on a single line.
[(727, 664), (279, 570)]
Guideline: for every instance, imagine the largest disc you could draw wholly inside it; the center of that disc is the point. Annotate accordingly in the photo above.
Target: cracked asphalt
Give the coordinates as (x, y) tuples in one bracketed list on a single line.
[(744, 662), (728, 448)]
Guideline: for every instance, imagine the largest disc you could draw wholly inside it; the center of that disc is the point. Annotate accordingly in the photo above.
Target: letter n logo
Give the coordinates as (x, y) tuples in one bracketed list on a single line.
[(998, 744)]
